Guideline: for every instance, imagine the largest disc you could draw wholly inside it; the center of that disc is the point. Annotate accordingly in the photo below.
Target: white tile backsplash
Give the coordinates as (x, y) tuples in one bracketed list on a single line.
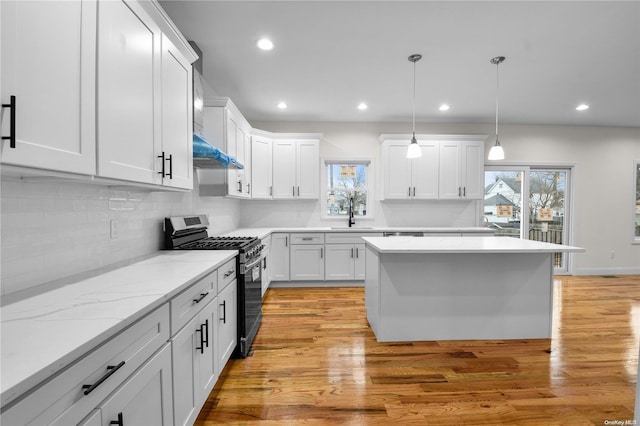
[(52, 229)]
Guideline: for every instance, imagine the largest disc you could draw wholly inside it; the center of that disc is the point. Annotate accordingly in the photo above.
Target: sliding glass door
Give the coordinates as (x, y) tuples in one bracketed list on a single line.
[(529, 202)]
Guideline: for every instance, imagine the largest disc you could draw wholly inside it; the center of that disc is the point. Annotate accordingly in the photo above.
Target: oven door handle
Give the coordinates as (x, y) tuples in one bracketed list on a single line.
[(248, 267)]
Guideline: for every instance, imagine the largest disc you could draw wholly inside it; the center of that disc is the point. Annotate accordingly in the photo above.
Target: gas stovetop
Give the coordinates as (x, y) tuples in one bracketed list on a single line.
[(220, 243)]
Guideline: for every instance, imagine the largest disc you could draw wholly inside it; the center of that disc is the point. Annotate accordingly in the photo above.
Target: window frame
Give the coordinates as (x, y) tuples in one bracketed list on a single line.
[(635, 210), (370, 185)]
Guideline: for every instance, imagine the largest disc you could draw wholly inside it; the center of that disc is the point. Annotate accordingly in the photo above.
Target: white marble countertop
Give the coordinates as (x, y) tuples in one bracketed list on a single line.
[(264, 232), (416, 245), (43, 334)]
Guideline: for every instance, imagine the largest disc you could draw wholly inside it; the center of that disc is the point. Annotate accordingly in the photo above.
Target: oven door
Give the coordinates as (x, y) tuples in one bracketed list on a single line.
[(250, 305)]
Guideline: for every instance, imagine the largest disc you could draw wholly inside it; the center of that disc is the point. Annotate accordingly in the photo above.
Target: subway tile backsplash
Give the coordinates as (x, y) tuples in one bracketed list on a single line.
[(53, 229)]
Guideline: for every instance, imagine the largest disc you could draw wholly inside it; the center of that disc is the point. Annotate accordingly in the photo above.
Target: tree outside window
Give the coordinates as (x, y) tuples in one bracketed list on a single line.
[(346, 181)]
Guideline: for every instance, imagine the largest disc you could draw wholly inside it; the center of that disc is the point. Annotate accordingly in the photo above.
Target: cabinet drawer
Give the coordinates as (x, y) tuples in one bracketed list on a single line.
[(347, 237), (66, 399), (307, 238), (226, 274), (188, 303)]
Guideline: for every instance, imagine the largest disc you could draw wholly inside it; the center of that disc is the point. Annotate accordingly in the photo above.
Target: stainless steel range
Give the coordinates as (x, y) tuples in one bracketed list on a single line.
[(190, 233)]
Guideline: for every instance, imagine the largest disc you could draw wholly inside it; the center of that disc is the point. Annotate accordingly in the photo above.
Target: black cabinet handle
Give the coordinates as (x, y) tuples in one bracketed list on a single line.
[(201, 347), (357, 253), (464, 191), (239, 186), (414, 191), (459, 194), (162, 172), (409, 194), (321, 253), (12, 122), (119, 422), (170, 174), (110, 370), (248, 188), (352, 252), (294, 191), (199, 299), (205, 334), (224, 312), (228, 273)]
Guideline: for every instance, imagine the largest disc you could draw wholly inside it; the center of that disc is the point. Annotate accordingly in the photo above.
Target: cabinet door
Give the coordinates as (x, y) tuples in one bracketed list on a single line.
[(128, 82), (450, 186), (339, 261), (279, 257), (48, 64), (307, 262), (145, 398), (308, 169), (425, 171), (473, 170), (244, 140), (195, 364), (284, 169), (360, 262), (261, 168), (397, 172), (227, 323), (234, 182), (177, 117)]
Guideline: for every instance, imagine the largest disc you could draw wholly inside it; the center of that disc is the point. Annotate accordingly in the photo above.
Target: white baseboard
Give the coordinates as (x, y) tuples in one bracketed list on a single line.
[(607, 271)]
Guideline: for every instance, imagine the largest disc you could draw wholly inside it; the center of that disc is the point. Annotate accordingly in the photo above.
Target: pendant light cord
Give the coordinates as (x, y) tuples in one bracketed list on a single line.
[(414, 97), (497, 97)]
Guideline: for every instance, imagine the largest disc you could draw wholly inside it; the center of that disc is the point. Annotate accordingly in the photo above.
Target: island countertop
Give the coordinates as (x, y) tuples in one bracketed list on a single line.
[(417, 245)]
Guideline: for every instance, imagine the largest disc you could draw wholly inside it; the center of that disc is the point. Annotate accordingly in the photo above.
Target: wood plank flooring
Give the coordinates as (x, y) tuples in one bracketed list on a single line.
[(315, 361)]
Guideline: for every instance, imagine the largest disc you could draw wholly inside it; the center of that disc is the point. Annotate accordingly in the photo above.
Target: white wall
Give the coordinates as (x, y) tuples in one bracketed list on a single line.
[(602, 182)]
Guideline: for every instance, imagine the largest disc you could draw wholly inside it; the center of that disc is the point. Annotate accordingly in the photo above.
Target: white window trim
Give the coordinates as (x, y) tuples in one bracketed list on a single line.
[(324, 161)]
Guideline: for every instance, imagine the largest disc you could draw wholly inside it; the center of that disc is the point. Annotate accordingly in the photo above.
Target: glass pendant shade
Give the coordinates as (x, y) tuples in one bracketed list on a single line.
[(496, 152), (414, 150)]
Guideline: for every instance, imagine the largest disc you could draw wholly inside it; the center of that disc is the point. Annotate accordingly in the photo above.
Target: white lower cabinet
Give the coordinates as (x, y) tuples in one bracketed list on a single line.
[(307, 262), (195, 364), (279, 257), (145, 398), (266, 264), (227, 327)]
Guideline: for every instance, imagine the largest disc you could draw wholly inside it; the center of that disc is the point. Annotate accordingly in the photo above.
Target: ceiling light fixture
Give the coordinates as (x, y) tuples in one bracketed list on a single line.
[(496, 152), (265, 44), (282, 105), (362, 106), (444, 107), (414, 150), (582, 107)]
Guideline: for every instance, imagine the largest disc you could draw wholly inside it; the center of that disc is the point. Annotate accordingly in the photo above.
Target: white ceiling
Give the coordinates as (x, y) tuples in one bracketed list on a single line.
[(331, 55)]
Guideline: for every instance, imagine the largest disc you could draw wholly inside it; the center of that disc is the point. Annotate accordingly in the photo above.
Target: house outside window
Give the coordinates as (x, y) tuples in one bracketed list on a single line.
[(347, 180)]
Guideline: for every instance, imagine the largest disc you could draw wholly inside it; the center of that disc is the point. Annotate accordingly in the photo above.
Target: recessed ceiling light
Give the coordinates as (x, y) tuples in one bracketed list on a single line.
[(282, 105), (444, 107), (582, 107), (265, 44), (362, 106)]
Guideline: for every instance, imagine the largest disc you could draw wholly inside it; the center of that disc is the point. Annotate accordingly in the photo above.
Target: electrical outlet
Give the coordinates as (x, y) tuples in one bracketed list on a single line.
[(114, 229)]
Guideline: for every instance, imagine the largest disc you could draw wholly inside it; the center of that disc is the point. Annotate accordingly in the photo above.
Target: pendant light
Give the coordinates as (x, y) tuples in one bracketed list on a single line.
[(496, 152), (414, 150)]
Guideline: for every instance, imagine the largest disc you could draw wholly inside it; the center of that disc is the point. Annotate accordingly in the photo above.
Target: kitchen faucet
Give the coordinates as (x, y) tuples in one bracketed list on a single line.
[(352, 221)]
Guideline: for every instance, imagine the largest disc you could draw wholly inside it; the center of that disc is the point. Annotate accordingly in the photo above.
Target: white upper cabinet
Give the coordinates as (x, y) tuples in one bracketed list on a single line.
[(129, 70), (415, 178), (177, 117), (48, 64), (296, 169), (100, 90), (461, 170), (451, 167), (261, 162)]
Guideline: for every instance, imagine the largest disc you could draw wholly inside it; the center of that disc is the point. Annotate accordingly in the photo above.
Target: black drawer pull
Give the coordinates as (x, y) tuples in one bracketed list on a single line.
[(224, 312), (119, 422), (162, 173), (170, 159), (199, 299), (229, 273), (110, 370), (201, 347), (12, 122), (205, 333)]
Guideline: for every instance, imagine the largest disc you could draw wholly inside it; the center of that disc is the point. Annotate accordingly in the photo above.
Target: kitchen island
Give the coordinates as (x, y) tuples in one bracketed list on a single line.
[(466, 288)]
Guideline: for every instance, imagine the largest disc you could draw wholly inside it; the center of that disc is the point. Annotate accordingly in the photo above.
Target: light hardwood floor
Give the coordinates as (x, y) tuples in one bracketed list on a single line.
[(315, 361)]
